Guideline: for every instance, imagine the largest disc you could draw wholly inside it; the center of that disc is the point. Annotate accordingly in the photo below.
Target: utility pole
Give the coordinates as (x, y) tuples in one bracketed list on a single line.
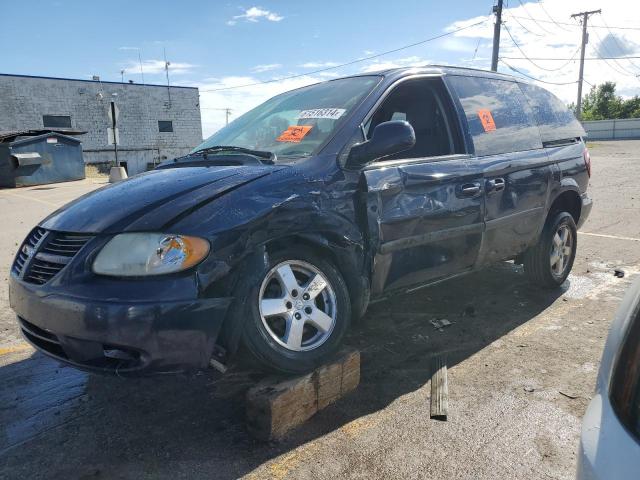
[(497, 9), (166, 69), (585, 39), (227, 112)]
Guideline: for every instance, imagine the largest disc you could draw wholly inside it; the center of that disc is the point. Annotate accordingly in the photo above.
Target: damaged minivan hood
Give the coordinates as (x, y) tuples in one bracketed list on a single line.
[(152, 200)]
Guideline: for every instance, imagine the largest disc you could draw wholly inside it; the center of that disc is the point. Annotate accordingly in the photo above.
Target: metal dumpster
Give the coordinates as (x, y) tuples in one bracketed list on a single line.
[(35, 157)]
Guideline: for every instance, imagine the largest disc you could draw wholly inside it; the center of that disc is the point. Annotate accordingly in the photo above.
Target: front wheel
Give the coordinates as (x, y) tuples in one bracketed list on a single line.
[(549, 262), (297, 312)]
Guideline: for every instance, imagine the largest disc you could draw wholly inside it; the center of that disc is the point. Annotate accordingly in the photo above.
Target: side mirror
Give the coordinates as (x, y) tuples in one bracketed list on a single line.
[(388, 138)]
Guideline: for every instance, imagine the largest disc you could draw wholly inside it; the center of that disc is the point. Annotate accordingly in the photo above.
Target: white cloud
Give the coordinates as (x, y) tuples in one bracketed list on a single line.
[(254, 14), (329, 74), (319, 65), (266, 68), (378, 65), (157, 66), (542, 40)]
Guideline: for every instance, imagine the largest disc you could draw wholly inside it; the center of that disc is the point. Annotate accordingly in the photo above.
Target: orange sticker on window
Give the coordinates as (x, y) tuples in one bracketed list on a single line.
[(294, 133), (487, 120)]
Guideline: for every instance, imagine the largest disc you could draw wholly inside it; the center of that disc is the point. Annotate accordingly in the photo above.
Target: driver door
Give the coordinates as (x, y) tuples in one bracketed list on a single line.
[(424, 206)]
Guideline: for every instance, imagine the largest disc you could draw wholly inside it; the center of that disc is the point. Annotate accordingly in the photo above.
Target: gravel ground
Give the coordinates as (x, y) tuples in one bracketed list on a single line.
[(522, 367)]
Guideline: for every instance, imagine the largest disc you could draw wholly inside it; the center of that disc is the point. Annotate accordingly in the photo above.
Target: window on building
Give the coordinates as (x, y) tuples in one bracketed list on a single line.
[(56, 121), (165, 125)]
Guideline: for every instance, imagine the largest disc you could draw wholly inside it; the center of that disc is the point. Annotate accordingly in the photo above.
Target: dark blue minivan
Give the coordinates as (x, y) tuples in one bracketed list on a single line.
[(283, 226)]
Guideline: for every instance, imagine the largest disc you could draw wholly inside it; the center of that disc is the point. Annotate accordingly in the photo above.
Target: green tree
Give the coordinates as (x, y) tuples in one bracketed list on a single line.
[(602, 103), (630, 108)]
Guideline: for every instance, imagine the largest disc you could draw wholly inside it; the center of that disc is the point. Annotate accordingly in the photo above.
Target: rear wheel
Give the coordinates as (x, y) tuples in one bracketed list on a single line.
[(549, 262), (297, 312)]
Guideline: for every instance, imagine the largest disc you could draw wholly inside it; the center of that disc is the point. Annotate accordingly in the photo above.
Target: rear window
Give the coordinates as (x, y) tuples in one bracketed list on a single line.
[(555, 120), (498, 116)]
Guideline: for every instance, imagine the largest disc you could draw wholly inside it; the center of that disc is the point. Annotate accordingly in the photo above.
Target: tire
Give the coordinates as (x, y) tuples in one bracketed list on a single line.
[(558, 241), (272, 334)]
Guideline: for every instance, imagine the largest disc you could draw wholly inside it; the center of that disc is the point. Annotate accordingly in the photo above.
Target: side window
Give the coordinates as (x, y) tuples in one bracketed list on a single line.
[(423, 103), (498, 116), (555, 121)]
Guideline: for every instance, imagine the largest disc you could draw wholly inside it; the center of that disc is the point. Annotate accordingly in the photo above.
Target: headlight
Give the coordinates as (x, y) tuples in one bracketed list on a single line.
[(141, 254)]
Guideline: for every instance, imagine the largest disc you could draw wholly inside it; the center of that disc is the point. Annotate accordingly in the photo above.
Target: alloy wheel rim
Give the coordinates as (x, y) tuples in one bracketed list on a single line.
[(561, 251), (297, 305)]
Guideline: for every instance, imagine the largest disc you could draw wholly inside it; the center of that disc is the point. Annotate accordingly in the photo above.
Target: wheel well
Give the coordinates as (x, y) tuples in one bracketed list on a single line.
[(568, 201)]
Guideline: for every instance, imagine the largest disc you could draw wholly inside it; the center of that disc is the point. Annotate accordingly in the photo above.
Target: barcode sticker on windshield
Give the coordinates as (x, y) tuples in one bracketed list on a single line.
[(330, 113)]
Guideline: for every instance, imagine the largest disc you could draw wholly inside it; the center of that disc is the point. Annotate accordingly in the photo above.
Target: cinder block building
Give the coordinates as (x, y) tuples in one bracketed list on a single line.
[(154, 122)]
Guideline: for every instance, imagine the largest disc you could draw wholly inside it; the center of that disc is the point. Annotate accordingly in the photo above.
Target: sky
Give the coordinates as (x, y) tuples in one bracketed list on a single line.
[(215, 45)]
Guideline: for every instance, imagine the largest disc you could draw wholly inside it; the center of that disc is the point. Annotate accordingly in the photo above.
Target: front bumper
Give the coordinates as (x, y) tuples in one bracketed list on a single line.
[(153, 336)]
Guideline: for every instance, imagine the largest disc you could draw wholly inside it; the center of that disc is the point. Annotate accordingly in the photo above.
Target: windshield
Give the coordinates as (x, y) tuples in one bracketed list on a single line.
[(296, 122)]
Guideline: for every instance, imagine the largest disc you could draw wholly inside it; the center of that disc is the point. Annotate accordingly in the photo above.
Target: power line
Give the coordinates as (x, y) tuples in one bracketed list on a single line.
[(552, 19), (534, 63), (359, 60), (523, 27), (534, 78), (529, 15), (617, 43), (621, 69), (564, 59), (576, 25)]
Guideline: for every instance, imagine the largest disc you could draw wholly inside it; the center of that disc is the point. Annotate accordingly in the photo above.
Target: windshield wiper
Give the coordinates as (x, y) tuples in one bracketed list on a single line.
[(263, 155)]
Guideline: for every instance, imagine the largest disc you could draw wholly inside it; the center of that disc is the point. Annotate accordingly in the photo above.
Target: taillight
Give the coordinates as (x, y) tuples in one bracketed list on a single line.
[(624, 389), (587, 160)]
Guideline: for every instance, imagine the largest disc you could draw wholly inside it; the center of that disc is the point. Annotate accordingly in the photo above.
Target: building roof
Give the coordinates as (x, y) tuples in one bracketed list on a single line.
[(93, 81), (10, 135)]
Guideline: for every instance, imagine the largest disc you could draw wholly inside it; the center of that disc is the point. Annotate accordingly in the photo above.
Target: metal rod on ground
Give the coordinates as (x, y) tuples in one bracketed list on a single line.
[(439, 389), (497, 9), (585, 40)]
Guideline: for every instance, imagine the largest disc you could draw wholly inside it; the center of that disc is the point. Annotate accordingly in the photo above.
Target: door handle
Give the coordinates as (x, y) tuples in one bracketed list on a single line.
[(495, 185), (469, 190)]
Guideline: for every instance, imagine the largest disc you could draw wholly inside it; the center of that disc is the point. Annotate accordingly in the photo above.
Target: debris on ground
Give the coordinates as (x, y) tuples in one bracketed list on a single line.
[(568, 395), (529, 389), (618, 273), (469, 311), (522, 345), (440, 323), (418, 337)]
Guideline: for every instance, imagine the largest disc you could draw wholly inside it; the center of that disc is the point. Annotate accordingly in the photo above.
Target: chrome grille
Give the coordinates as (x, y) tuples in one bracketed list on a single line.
[(44, 254), (65, 244), (30, 242)]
